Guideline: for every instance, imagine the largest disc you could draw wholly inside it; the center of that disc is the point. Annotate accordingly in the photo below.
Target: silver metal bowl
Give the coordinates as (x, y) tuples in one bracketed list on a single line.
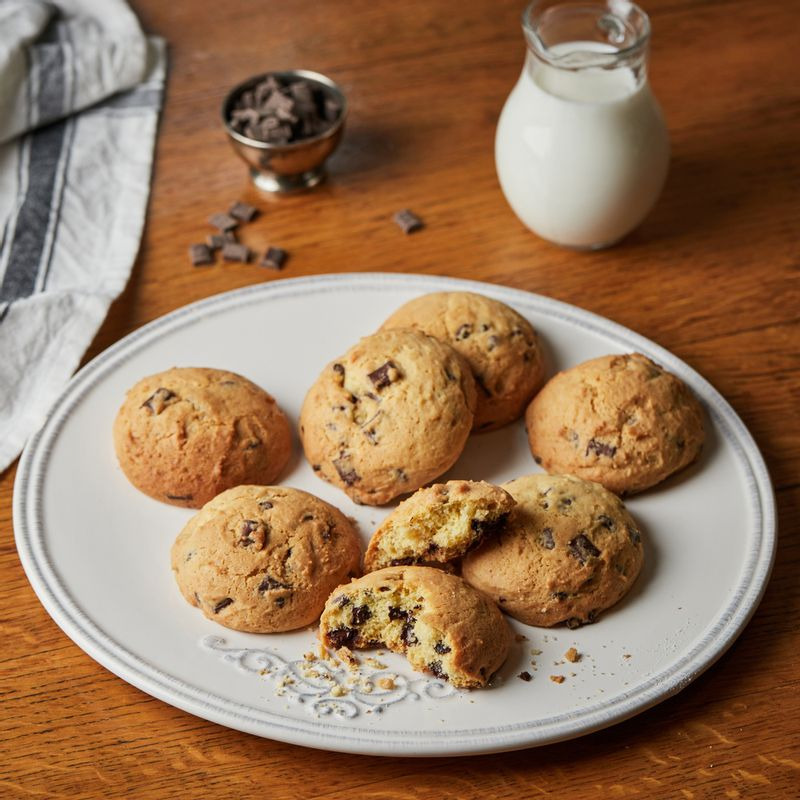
[(286, 167)]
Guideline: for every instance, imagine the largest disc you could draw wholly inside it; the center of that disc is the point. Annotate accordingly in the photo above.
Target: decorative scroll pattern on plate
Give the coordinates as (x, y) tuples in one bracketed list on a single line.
[(324, 687)]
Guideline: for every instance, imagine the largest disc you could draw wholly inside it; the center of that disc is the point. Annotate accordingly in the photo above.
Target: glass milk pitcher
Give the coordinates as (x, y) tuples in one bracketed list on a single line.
[(581, 146)]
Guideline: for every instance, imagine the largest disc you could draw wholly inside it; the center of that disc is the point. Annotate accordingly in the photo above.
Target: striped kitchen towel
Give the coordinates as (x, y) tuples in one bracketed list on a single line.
[(80, 92)]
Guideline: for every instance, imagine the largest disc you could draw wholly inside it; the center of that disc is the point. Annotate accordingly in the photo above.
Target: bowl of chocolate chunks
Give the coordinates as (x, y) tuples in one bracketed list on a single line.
[(284, 125)]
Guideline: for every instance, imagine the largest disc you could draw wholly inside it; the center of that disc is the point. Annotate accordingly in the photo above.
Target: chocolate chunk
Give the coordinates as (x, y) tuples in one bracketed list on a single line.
[(407, 635), (600, 448), (216, 241), (408, 221), (158, 401), (546, 538), (384, 375), (449, 375), (634, 535), (565, 502), (332, 109), (487, 527), (269, 584), (341, 637), (243, 211), (441, 648), (525, 676), (200, 255), (464, 332), (360, 615), (179, 496), (223, 221), (339, 370), (402, 562), (397, 613), (233, 251), (436, 668), (560, 596), (280, 602), (581, 547), (343, 601), (274, 258), (346, 471), (573, 622), (222, 604), (265, 504), (492, 343), (606, 522), (306, 517), (253, 533)]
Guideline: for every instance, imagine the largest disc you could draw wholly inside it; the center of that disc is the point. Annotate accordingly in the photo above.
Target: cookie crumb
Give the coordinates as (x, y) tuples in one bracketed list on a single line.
[(573, 655), (626, 655), (346, 657), (309, 656), (535, 652), (387, 683), (339, 691), (557, 678), (375, 664), (525, 676), (520, 637)]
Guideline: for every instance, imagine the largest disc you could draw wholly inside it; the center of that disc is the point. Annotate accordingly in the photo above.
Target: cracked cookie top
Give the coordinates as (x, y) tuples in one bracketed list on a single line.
[(264, 558), (184, 435), (620, 420), (500, 346), (391, 414)]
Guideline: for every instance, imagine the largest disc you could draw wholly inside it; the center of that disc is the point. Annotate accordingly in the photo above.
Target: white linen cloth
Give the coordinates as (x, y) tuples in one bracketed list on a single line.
[(80, 93)]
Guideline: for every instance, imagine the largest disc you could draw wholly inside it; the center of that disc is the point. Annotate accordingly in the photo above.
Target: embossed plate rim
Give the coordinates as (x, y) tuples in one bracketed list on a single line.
[(42, 573)]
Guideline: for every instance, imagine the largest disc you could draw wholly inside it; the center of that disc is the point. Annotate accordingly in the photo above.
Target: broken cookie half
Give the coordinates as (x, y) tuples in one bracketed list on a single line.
[(439, 524), (442, 625)]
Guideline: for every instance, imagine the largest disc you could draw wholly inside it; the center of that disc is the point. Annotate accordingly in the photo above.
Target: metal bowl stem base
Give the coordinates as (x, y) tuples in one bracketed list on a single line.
[(283, 184)]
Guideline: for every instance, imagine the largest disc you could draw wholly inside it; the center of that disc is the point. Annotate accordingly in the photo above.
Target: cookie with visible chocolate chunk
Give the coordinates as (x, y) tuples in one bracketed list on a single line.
[(185, 435), (439, 524), (500, 346), (442, 626), (569, 551), (391, 414), (620, 420), (264, 558)]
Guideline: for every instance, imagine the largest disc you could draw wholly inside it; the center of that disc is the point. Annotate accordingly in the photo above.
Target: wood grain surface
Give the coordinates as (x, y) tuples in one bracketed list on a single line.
[(712, 275)]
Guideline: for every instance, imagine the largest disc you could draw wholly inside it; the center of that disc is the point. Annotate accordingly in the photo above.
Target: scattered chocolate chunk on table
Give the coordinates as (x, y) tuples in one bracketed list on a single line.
[(274, 258), (225, 222), (200, 255), (233, 251), (243, 212), (408, 221)]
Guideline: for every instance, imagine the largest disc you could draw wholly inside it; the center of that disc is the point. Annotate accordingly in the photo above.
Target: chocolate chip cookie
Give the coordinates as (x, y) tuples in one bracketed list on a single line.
[(443, 626), (264, 558), (388, 416), (569, 551), (439, 524), (500, 346), (620, 420), (185, 435)]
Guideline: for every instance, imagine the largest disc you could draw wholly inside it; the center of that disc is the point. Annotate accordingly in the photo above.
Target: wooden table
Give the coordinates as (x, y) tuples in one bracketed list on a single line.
[(712, 275)]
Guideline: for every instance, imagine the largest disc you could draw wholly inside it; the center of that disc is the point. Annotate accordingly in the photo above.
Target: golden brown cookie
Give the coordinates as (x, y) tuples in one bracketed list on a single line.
[(264, 558), (620, 420), (185, 435), (569, 551), (439, 524), (441, 625), (500, 346), (388, 416)]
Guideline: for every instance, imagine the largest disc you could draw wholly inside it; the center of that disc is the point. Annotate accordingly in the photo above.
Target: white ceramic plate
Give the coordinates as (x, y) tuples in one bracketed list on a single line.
[(97, 551)]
